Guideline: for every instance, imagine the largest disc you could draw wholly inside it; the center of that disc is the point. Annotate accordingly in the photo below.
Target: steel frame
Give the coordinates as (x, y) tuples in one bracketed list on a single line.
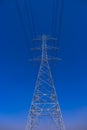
[(44, 102)]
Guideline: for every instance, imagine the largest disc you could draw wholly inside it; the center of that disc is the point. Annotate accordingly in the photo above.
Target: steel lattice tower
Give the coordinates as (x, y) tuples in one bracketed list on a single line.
[(45, 111)]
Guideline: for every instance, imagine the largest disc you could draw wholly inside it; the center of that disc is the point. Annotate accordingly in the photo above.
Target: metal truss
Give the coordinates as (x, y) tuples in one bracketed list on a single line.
[(44, 104)]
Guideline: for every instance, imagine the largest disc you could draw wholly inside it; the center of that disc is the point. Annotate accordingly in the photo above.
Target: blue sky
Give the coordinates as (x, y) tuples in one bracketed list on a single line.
[(18, 76)]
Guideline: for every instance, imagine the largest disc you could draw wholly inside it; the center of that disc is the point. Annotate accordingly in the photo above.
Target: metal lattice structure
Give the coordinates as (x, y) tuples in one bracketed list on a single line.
[(45, 111)]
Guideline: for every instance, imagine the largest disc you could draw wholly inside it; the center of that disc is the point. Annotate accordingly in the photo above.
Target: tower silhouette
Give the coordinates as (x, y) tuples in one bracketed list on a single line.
[(45, 113)]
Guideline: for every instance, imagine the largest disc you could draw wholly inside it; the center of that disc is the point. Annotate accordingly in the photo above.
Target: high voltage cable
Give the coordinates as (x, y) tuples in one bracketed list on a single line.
[(55, 16), (29, 15), (21, 20), (61, 19), (28, 18)]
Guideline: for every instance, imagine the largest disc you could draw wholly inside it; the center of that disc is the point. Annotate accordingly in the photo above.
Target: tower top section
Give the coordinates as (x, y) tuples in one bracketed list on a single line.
[(43, 39)]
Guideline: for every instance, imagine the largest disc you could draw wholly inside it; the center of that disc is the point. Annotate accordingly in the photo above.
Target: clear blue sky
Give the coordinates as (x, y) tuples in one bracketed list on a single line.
[(18, 76)]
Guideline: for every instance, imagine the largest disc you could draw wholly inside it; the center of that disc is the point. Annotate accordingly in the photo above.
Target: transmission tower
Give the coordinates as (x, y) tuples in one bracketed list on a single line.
[(45, 113)]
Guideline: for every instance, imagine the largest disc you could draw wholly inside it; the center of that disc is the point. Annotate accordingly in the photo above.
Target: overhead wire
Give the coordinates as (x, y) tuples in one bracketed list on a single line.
[(21, 20), (55, 32), (55, 17), (54, 22), (29, 14), (29, 18), (60, 20)]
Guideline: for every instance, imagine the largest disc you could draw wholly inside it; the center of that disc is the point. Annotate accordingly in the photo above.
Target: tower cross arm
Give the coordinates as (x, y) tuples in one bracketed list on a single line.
[(52, 38), (48, 48), (37, 39), (45, 38), (49, 59)]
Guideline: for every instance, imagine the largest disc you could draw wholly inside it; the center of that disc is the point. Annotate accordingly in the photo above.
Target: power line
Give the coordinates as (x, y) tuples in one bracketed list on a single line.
[(29, 16), (21, 20), (60, 19), (55, 17), (30, 19), (30, 22)]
